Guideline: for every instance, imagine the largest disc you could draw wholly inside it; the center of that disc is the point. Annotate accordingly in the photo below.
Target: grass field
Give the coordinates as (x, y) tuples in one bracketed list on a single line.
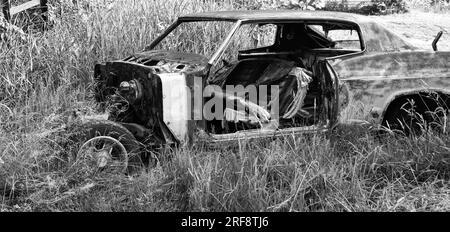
[(419, 28), (46, 75)]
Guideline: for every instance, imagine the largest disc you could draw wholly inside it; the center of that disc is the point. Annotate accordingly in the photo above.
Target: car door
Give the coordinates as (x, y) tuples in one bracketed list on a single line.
[(329, 86)]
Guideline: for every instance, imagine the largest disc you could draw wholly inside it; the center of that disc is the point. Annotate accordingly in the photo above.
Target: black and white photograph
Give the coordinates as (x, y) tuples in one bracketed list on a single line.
[(224, 113)]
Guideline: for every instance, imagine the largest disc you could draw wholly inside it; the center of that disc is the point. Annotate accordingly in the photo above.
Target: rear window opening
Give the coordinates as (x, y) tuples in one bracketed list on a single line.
[(342, 38)]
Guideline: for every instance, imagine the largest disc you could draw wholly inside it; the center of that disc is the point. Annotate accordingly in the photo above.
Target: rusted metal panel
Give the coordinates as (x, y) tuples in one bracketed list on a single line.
[(176, 97), (259, 134), (396, 64), (369, 83)]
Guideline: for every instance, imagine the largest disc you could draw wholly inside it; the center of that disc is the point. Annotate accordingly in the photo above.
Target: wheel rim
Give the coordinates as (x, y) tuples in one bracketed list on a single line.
[(103, 153)]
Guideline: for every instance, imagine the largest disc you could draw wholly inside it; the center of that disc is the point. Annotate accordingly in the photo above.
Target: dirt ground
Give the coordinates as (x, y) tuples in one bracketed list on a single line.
[(419, 28)]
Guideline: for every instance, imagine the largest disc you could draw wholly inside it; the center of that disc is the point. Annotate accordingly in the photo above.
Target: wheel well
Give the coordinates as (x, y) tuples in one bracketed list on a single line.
[(423, 102)]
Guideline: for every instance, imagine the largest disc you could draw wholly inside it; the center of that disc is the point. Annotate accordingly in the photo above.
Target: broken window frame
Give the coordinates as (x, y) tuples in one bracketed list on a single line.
[(238, 23)]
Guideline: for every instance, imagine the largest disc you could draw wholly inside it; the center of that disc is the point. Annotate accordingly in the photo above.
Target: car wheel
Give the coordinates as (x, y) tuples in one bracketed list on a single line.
[(402, 120), (106, 147), (415, 118)]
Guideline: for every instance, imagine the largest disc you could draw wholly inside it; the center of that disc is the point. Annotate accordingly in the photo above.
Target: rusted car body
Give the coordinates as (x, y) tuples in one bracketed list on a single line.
[(360, 84)]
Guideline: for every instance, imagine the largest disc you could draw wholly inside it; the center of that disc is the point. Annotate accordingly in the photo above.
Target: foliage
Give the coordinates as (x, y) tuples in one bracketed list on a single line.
[(280, 4), (373, 7)]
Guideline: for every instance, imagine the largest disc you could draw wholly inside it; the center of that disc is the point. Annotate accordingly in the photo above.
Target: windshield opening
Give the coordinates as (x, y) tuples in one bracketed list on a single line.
[(199, 37)]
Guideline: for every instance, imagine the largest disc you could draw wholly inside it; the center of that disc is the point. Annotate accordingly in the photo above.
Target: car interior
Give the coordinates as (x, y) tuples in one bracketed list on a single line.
[(299, 46)]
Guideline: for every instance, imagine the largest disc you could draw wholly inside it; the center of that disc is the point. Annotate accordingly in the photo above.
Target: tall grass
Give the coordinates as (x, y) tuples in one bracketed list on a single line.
[(61, 60), (49, 73)]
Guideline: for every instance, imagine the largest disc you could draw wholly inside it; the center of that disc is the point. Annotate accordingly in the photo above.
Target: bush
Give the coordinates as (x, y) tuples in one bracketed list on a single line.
[(280, 4), (373, 7)]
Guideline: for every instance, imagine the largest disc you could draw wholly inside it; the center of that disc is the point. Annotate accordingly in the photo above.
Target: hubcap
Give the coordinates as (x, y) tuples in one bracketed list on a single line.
[(103, 154)]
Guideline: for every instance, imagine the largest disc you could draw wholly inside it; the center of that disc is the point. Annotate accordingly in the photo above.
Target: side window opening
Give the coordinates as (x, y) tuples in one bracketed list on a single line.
[(263, 36), (346, 38), (251, 38)]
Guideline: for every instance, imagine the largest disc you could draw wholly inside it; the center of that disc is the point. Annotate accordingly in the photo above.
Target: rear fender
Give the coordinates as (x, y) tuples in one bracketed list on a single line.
[(410, 92)]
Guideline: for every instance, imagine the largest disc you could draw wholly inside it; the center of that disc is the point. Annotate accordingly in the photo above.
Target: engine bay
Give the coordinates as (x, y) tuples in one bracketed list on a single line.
[(164, 62)]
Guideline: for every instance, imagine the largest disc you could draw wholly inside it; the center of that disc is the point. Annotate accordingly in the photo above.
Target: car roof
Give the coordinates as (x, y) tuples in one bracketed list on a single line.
[(261, 15), (377, 38)]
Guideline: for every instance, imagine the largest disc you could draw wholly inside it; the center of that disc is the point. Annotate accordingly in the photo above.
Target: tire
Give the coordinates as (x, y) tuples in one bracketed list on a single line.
[(92, 128), (399, 120), (406, 118)]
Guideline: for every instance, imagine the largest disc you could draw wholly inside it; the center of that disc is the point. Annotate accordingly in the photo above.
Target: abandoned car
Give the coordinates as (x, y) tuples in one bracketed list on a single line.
[(328, 68)]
